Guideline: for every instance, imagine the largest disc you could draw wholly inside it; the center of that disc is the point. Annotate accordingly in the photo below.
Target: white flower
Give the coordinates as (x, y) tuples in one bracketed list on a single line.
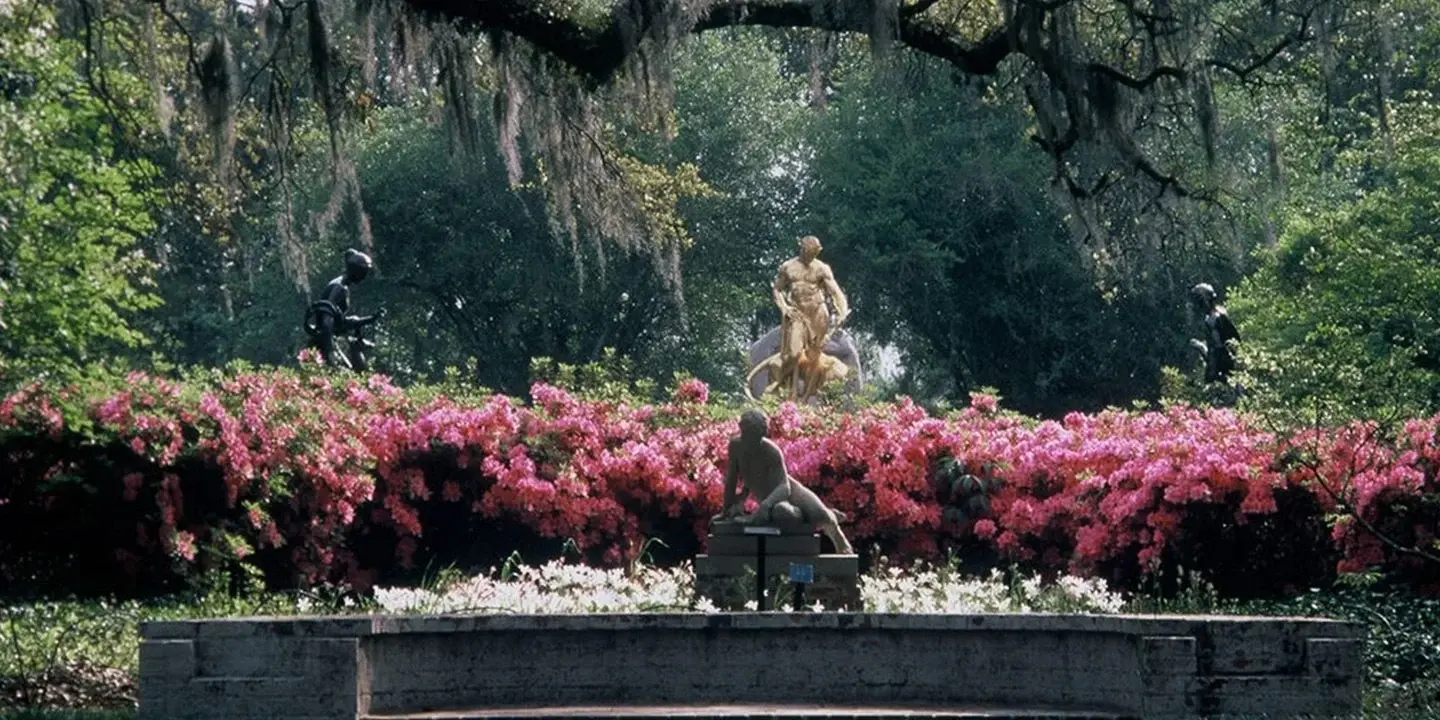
[(560, 588)]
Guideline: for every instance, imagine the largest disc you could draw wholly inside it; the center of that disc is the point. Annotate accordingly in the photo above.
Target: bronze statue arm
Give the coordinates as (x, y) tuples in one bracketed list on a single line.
[(1226, 329), (360, 321), (732, 474)]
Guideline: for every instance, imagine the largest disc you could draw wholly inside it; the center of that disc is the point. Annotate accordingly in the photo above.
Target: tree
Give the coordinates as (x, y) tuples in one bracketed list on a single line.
[(953, 249), (1337, 318), (469, 267), (1343, 311), (71, 209), (1118, 89), (1091, 62)]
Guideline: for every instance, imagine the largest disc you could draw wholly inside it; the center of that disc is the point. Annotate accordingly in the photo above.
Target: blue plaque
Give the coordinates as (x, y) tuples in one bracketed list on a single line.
[(802, 573)]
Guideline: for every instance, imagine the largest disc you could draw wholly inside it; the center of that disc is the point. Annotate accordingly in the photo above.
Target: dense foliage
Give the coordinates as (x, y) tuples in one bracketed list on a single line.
[(72, 209), (307, 479), (1343, 310)]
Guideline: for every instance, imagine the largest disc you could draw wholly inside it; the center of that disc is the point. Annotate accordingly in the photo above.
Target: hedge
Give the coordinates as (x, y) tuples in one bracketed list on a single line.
[(309, 478)]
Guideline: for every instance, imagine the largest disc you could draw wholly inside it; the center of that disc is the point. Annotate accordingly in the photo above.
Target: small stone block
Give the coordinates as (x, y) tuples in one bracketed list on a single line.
[(170, 661), (785, 545), (1334, 658), (825, 565), (733, 528), (1168, 655), (1254, 649)]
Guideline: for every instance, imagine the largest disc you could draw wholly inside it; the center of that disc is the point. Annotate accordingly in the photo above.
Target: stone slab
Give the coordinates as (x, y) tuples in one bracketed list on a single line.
[(367, 625), (735, 712), (747, 545), (729, 528), (825, 565)]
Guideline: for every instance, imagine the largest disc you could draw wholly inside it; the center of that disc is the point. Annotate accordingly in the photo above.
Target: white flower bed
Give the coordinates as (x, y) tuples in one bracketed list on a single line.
[(554, 588), (564, 588), (941, 590)]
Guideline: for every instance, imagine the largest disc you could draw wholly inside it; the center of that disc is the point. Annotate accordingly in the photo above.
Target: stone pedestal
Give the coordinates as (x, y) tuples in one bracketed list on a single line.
[(725, 573)]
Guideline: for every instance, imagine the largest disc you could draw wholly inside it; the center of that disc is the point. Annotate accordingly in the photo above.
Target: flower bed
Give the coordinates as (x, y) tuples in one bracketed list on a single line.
[(312, 479), (563, 588)]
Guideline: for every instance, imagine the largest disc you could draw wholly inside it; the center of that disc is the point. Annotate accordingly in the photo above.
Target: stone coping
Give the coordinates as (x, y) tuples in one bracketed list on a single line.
[(369, 625), (756, 712)]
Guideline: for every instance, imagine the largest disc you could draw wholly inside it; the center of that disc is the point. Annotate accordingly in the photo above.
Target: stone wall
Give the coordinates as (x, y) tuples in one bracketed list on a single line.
[(1129, 666)]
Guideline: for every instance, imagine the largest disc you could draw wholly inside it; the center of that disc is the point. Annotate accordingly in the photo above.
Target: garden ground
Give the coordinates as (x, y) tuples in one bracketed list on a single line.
[(77, 660)]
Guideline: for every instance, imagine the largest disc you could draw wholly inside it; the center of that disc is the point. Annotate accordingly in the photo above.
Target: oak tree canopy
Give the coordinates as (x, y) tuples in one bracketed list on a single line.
[(1122, 92)]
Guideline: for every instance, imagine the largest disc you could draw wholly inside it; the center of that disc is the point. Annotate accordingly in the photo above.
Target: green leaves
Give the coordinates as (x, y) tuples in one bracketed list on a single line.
[(72, 211), (1345, 310)]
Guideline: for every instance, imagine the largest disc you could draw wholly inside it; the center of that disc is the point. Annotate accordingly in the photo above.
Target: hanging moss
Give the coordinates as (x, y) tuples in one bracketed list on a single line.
[(564, 70), (365, 18), (460, 88), (219, 87), (320, 58)]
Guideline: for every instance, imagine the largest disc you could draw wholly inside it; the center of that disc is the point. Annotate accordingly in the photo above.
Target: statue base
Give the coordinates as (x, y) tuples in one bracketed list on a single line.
[(727, 572)]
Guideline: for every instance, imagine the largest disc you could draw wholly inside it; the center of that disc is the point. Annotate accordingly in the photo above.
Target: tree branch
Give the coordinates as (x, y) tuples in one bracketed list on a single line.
[(191, 58), (595, 52), (917, 8), (598, 52), (598, 49), (1138, 83), (1300, 35)]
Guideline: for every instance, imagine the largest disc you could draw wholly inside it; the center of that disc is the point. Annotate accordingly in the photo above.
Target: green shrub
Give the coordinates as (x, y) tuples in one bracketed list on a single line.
[(34, 714)]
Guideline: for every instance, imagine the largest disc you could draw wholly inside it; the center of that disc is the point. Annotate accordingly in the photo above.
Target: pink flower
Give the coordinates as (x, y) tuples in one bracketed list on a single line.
[(451, 491), (132, 483), (692, 391), (183, 544), (985, 528), (986, 404)]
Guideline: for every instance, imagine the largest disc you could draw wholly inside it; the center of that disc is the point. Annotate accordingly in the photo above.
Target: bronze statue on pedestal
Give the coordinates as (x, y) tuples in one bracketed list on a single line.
[(758, 461)]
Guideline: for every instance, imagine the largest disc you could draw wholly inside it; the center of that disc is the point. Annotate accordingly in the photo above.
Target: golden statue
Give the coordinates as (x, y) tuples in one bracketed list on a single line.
[(803, 290)]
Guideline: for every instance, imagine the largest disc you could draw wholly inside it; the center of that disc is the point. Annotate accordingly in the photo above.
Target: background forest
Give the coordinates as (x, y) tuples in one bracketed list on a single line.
[(177, 191)]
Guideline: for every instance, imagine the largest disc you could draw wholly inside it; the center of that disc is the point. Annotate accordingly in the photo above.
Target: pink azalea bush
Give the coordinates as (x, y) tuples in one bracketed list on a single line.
[(319, 478)]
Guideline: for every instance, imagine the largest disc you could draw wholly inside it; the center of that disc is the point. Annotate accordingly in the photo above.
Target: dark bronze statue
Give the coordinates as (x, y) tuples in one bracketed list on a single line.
[(1215, 349), (757, 462), (326, 318)]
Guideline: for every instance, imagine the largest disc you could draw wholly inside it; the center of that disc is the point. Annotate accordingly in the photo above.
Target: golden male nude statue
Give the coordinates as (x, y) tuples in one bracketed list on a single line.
[(760, 463), (801, 290)]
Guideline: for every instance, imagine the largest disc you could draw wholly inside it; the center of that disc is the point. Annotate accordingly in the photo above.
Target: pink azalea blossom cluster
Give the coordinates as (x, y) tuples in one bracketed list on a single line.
[(1392, 517), (304, 463)]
